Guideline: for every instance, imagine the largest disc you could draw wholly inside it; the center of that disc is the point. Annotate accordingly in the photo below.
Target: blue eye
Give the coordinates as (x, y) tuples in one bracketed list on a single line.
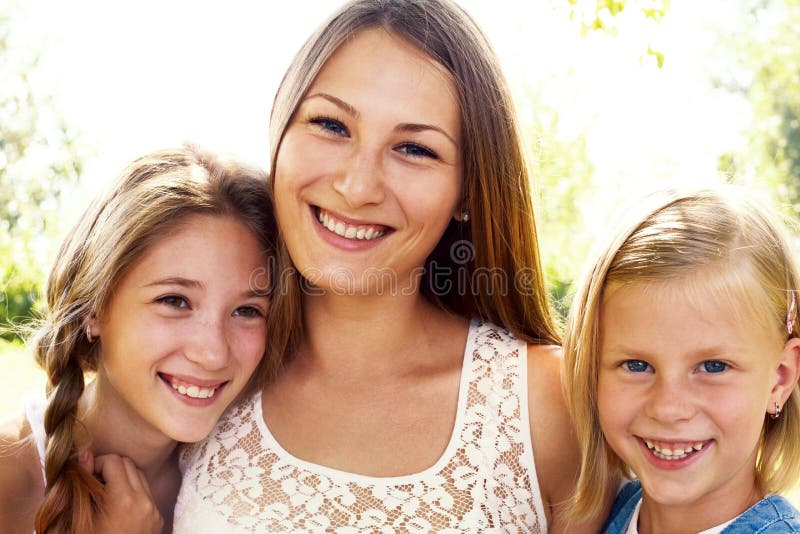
[(714, 366), (636, 366), (331, 126), (417, 151)]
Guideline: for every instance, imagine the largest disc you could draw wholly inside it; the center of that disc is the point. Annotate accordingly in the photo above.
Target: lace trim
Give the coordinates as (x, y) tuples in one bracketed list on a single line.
[(240, 477)]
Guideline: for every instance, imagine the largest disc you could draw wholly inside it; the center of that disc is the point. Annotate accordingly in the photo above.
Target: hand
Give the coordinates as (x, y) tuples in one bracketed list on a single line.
[(129, 507)]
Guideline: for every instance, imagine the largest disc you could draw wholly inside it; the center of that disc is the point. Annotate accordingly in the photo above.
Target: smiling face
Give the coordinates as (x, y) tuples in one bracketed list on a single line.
[(184, 330), (369, 170), (683, 392)]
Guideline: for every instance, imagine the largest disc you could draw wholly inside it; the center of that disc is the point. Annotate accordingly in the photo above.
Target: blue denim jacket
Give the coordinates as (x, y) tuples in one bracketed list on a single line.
[(770, 515)]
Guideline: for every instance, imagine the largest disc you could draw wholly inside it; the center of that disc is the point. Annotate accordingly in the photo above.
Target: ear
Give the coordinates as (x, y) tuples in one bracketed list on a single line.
[(786, 374), (94, 325), (461, 214)]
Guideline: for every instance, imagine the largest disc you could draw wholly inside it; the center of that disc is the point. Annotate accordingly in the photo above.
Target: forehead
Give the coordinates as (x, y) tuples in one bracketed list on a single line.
[(696, 308), (378, 61)]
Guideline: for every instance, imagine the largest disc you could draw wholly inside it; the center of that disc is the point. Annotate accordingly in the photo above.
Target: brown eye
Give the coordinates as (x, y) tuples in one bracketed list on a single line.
[(247, 311), (174, 301)]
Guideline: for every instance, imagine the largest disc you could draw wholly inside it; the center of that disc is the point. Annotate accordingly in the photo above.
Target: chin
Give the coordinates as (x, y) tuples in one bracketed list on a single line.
[(190, 431)]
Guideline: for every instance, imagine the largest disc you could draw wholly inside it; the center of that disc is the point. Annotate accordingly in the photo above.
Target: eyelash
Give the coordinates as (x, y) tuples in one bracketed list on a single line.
[(169, 300), (335, 127), (627, 365), (704, 365), (425, 151), (254, 312), (325, 123)]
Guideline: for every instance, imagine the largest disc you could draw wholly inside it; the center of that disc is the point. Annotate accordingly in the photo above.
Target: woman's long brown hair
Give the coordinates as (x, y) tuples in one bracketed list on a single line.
[(498, 275)]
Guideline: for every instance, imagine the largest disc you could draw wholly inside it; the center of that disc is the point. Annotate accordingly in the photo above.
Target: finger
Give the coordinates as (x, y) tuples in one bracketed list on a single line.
[(133, 474), (145, 484), (112, 470)]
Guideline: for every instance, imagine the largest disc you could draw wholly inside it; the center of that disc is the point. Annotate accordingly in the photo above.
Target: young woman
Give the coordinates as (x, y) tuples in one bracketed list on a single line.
[(683, 359), (418, 387), (160, 291)]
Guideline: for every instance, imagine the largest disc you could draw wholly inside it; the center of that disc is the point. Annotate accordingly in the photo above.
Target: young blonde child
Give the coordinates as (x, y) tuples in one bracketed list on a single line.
[(681, 369), (160, 291)]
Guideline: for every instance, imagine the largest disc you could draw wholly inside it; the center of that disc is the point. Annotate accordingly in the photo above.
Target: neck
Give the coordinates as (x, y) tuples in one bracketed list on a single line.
[(367, 337), (114, 428)]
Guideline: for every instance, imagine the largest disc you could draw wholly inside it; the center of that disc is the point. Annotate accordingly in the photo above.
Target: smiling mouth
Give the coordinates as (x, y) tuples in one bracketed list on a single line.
[(674, 450), (355, 232), (194, 391)]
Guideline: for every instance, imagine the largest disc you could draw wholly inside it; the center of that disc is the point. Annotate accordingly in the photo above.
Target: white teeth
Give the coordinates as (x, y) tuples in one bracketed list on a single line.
[(347, 231), (678, 453), (196, 392)]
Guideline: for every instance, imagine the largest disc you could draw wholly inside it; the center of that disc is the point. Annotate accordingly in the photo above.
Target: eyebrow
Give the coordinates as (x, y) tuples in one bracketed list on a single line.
[(405, 127), (347, 108), (195, 284), (176, 281)]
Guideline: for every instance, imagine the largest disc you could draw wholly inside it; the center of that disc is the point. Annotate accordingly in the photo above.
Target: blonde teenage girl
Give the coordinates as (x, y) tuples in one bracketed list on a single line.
[(682, 368), (160, 291)]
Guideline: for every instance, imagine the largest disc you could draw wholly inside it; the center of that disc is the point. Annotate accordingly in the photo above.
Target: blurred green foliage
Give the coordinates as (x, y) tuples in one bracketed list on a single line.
[(600, 14), (39, 162), (765, 67)]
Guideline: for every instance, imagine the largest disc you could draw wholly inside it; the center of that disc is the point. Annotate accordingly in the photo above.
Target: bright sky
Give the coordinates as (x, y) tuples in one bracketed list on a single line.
[(136, 76)]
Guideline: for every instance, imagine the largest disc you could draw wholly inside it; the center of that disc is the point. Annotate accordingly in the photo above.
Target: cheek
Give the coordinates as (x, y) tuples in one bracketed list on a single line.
[(739, 413), (615, 404), (294, 168), (250, 346)]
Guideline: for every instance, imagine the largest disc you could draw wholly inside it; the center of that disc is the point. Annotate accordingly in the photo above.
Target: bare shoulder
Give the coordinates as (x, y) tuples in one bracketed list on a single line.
[(555, 446), (21, 484), (551, 428)]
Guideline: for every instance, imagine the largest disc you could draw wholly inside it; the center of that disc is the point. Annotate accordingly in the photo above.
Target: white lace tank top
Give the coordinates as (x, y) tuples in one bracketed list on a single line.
[(34, 407), (241, 480)]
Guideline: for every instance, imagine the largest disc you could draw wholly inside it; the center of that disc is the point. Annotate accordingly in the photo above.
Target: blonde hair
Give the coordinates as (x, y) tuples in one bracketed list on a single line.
[(732, 242), (497, 190), (152, 198)]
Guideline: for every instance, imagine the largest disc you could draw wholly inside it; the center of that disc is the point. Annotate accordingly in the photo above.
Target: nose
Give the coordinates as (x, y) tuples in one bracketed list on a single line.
[(670, 400), (209, 347), (360, 181)]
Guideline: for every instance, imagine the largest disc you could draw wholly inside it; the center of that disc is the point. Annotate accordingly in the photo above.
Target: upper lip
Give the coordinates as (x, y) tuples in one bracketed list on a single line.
[(195, 381)]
